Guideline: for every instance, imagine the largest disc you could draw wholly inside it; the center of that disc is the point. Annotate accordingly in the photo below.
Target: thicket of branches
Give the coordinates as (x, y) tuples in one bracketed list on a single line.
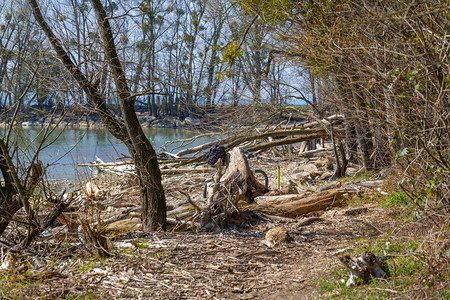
[(385, 65), (173, 52)]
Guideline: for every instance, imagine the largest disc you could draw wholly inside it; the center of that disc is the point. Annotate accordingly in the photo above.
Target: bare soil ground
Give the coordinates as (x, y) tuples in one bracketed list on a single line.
[(233, 264)]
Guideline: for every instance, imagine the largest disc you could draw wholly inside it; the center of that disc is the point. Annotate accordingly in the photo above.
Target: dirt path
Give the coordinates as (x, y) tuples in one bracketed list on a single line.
[(233, 264)]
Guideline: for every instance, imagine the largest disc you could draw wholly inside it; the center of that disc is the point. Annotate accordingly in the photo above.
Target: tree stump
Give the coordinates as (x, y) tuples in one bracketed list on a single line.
[(237, 184), (239, 179)]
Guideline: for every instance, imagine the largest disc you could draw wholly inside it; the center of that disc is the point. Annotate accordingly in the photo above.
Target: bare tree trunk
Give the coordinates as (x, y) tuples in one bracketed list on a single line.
[(362, 143), (351, 144), (362, 129), (214, 60), (129, 131), (152, 192), (312, 81)]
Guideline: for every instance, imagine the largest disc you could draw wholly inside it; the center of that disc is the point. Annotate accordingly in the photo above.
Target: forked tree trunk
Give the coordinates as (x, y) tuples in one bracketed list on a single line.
[(129, 131)]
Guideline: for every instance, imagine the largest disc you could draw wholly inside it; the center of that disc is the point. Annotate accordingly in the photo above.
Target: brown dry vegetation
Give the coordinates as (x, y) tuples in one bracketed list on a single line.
[(233, 263)]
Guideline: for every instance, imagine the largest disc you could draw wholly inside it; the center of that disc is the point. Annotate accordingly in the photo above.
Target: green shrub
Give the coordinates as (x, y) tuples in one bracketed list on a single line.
[(399, 199)]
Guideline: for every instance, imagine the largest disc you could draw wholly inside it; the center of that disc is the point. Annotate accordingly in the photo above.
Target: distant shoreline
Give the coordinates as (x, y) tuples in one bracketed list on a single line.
[(94, 122), (80, 117)]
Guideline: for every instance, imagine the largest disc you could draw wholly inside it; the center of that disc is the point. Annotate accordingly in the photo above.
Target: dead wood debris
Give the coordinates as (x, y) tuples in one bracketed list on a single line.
[(232, 264), (363, 268)]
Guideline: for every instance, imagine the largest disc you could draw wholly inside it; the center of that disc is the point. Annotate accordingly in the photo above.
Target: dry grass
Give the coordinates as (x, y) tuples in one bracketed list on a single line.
[(235, 264)]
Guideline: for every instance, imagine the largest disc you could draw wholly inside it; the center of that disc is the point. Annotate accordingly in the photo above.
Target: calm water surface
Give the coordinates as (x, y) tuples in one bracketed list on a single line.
[(65, 149)]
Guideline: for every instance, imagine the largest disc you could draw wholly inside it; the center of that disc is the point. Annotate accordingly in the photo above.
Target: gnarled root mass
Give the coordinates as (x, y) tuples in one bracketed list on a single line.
[(237, 185)]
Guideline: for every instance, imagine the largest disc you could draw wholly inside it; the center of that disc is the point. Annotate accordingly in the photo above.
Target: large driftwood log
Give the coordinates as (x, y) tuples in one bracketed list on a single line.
[(296, 205), (231, 142), (129, 166), (202, 147), (103, 164), (288, 141)]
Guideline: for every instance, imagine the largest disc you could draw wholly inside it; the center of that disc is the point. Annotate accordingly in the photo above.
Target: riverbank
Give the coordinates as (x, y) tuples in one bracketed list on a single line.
[(237, 262), (65, 148)]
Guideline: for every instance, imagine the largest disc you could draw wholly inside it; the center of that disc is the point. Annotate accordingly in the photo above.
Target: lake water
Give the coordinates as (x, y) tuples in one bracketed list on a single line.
[(65, 149)]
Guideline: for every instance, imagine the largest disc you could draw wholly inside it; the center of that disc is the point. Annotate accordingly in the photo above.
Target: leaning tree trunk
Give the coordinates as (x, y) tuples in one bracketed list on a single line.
[(129, 131), (147, 168), (152, 192)]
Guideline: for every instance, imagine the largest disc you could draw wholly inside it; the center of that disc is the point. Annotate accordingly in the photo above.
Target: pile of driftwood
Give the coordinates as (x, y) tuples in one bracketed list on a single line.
[(259, 140), (235, 188), (238, 190)]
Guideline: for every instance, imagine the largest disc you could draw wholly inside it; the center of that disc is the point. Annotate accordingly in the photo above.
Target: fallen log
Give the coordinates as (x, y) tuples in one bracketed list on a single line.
[(182, 171), (203, 147), (288, 141), (125, 225), (306, 153), (111, 164), (130, 167), (309, 221), (178, 223), (231, 142), (334, 119), (187, 207), (292, 206)]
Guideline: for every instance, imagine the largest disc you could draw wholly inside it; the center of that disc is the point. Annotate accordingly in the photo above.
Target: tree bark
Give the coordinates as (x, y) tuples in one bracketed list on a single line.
[(362, 143), (129, 131), (295, 205), (9, 204), (351, 144), (144, 156)]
